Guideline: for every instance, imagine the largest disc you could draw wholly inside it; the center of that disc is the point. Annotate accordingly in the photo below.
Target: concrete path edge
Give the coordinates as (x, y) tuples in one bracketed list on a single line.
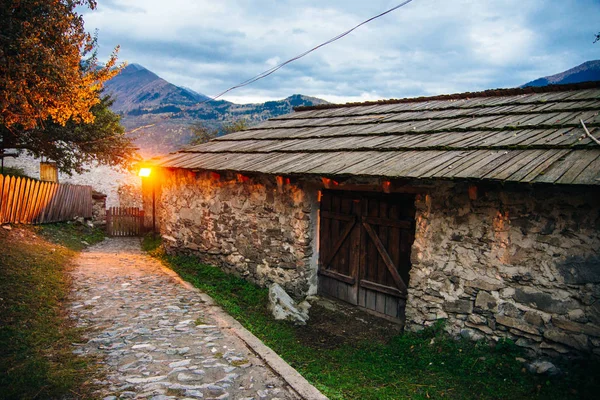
[(293, 378)]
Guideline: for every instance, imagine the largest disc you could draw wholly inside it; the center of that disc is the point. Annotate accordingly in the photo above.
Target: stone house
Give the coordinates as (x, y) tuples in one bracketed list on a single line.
[(482, 209)]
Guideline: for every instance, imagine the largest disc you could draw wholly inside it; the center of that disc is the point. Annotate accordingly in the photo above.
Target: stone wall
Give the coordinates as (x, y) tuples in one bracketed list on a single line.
[(98, 208), (130, 195), (256, 227), (500, 262), (518, 262)]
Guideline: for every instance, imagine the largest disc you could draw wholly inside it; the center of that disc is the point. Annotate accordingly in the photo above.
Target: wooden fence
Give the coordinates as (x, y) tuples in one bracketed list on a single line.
[(124, 221), (28, 201)]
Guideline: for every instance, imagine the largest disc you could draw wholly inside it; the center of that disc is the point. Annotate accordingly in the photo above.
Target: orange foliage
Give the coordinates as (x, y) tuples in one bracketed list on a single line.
[(42, 75)]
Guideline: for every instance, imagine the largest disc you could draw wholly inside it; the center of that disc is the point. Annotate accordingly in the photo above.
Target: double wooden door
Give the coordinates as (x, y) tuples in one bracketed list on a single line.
[(365, 241)]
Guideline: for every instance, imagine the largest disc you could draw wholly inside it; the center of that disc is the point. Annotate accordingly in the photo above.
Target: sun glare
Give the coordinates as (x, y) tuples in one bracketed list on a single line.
[(145, 172)]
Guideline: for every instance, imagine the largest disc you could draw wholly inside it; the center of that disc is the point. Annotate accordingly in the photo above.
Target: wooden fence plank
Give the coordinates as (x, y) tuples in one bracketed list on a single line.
[(35, 210), (3, 192), (43, 204), (20, 196), (35, 187), (24, 200), (14, 187), (58, 202), (11, 198), (109, 221), (43, 199), (5, 197), (49, 201), (10, 201), (54, 204), (90, 205), (124, 221), (18, 204), (46, 189), (1, 197), (65, 204)]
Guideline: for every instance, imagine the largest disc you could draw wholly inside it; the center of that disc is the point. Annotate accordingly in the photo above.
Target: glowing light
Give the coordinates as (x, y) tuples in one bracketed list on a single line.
[(473, 192), (386, 186), (329, 183), (242, 178), (145, 172)]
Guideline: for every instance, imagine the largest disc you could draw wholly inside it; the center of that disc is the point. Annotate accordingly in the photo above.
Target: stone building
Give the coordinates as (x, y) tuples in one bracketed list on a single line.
[(482, 209)]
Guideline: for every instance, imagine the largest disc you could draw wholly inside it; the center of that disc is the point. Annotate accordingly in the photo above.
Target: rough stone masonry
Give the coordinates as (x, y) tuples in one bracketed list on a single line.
[(509, 262), (258, 228), (494, 261)]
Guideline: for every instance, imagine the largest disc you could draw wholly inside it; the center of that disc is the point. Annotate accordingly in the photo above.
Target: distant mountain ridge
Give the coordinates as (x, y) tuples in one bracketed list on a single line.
[(588, 71), (135, 86), (158, 113)]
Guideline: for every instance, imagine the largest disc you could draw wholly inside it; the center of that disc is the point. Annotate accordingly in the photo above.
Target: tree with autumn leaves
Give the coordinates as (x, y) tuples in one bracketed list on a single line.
[(50, 86)]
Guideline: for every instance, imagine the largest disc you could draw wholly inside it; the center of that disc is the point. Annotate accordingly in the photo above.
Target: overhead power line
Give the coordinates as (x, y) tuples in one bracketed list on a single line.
[(279, 66)]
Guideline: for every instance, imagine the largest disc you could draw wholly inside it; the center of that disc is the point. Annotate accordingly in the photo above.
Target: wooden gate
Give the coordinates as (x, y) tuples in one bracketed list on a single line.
[(124, 221), (365, 242)]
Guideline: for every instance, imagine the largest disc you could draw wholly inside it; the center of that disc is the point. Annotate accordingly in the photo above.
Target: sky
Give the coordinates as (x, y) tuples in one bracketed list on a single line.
[(427, 47)]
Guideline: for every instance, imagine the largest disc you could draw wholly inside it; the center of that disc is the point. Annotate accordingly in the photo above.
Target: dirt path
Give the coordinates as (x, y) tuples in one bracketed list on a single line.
[(157, 339)]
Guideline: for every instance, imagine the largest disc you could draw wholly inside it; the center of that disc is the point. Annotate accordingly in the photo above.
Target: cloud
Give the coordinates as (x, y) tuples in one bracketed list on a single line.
[(427, 47)]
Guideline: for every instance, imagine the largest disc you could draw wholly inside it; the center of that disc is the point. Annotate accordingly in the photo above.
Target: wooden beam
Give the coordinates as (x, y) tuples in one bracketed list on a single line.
[(387, 222), (382, 288), (338, 216), (384, 187), (386, 258), (336, 275)]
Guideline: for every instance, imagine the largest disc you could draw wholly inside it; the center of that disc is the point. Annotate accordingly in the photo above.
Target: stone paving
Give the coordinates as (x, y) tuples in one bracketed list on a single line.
[(157, 339)]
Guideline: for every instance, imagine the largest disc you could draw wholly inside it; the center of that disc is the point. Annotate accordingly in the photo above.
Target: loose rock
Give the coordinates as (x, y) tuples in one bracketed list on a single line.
[(283, 307)]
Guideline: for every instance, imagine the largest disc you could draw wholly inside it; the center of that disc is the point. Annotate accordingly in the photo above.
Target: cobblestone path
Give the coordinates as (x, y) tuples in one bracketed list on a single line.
[(157, 339)]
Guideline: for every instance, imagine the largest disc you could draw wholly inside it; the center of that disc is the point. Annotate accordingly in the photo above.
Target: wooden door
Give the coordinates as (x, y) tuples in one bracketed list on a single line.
[(339, 245), (365, 242)]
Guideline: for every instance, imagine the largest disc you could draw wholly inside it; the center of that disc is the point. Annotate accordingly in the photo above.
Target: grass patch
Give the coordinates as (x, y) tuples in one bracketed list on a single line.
[(425, 365), (151, 244), (36, 356), (74, 236)]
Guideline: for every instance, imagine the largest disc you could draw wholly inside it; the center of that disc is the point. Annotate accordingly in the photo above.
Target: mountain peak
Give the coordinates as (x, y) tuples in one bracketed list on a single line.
[(166, 111), (138, 88), (136, 67), (588, 71)]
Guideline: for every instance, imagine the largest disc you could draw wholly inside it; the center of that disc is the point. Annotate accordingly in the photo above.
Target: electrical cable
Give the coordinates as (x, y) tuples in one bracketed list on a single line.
[(268, 72)]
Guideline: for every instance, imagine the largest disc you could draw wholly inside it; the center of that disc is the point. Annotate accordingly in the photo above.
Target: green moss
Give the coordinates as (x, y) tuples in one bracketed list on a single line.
[(74, 236)]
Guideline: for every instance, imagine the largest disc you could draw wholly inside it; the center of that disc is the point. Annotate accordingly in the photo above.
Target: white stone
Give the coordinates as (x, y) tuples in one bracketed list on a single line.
[(183, 377), (283, 307), (181, 363), (146, 380), (543, 367), (145, 346)]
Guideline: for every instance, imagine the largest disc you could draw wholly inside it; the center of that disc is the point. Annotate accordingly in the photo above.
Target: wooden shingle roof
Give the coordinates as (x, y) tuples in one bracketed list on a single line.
[(530, 135)]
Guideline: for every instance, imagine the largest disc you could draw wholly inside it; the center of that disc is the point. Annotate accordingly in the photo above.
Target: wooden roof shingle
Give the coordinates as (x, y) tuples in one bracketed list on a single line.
[(514, 135)]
